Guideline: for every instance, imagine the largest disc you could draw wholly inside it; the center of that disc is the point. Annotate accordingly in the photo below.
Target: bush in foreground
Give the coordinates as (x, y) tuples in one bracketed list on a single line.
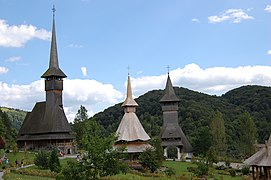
[(41, 160)]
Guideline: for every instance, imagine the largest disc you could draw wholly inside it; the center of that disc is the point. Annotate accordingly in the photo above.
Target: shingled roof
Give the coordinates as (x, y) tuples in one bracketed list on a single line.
[(53, 69), (129, 101), (130, 128), (262, 157), (43, 121), (169, 95), (174, 135)]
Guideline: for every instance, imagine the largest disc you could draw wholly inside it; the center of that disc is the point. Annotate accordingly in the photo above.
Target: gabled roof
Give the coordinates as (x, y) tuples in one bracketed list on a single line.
[(53, 69), (169, 95), (129, 101)]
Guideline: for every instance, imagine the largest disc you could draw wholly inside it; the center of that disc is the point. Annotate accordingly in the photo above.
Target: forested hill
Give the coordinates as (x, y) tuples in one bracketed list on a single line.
[(10, 122), (195, 112), (196, 109)]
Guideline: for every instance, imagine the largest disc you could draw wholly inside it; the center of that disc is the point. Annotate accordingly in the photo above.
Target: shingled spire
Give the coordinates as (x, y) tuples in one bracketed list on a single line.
[(53, 69), (170, 95), (129, 101)]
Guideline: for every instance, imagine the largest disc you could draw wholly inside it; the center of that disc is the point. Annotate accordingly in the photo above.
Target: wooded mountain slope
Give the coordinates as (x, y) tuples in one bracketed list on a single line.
[(195, 112), (196, 109)]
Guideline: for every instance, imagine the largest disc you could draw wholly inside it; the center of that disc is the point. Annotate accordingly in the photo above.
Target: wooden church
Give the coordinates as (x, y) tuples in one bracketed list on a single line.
[(171, 133), (46, 126), (130, 132)]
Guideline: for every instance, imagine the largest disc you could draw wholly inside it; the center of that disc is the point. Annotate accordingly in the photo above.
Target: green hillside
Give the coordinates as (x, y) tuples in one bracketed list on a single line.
[(16, 116), (196, 109)]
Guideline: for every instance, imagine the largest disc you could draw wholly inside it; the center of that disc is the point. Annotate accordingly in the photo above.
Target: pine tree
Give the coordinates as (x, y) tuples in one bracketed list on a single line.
[(54, 163)]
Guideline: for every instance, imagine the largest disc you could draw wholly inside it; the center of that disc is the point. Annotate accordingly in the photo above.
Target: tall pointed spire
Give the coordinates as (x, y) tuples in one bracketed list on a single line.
[(129, 101), (169, 92), (53, 69)]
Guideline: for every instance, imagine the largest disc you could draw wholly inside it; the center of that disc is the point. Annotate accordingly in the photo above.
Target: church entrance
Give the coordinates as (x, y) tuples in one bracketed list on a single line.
[(172, 152)]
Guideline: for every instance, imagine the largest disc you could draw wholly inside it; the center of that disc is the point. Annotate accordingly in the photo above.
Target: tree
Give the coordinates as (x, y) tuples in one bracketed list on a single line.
[(217, 129), (2, 143), (248, 134), (42, 159), (54, 163), (148, 159), (202, 141), (158, 149), (100, 159), (79, 123)]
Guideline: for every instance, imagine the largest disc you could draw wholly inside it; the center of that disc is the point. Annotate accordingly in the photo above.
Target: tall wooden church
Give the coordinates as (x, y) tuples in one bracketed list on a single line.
[(130, 132), (172, 134), (47, 126)]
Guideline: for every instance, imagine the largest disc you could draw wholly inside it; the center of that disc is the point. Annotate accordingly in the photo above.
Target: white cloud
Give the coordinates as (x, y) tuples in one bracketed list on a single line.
[(269, 52), (75, 46), (214, 81), (14, 59), (84, 71), (268, 8), (195, 20), (3, 70), (95, 96), (233, 15), (17, 36)]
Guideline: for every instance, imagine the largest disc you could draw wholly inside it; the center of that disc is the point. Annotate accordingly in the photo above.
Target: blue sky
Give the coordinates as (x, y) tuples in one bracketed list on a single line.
[(211, 46)]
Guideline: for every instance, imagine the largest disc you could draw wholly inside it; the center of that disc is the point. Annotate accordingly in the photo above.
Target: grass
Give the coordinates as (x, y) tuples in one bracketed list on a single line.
[(180, 168), (28, 158), (12, 176)]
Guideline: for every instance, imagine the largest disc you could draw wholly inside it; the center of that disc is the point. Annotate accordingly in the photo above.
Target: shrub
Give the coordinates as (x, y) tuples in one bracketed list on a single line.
[(245, 170), (170, 171), (202, 169), (149, 160), (232, 172), (54, 163), (41, 160)]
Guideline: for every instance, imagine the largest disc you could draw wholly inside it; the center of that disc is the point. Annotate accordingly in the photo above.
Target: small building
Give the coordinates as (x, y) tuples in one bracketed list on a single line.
[(130, 132), (171, 133), (46, 126), (260, 162)]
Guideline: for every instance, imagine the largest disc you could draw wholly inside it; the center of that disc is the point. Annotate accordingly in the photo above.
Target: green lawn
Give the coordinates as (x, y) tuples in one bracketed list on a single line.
[(180, 168), (12, 176), (28, 158)]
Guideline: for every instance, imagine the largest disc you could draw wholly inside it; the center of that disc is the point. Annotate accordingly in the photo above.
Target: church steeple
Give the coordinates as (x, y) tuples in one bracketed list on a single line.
[(129, 101), (170, 95), (53, 70)]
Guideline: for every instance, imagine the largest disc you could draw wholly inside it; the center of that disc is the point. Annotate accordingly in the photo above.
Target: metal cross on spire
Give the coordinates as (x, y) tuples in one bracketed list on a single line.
[(54, 10), (128, 68), (168, 69)]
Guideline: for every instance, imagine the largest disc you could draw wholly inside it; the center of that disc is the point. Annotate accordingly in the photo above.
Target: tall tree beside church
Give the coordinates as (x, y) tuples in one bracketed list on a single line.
[(218, 133), (248, 135), (79, 125)]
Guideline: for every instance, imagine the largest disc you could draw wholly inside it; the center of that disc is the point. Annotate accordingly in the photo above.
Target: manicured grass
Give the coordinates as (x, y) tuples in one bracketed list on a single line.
[(28, 158), (12, 176)]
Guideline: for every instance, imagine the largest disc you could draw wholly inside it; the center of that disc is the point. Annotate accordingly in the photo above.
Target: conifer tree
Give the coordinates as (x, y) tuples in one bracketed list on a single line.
[(248, 135), (54, 163), (217, 129), (79, 124)]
